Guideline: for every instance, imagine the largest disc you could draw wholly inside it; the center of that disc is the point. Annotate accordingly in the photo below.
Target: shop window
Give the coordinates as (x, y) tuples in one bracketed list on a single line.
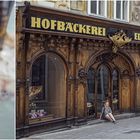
[(121, 10), (47, 92), (91, 92), (103, 86), (115, 78), (97, 7)]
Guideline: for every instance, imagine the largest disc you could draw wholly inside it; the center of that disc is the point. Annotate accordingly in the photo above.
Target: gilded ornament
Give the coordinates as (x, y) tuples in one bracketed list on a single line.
[(119, 40)]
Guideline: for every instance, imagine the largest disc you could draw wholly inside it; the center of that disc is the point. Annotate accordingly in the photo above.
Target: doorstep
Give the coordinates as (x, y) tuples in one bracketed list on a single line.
[(117, 117)]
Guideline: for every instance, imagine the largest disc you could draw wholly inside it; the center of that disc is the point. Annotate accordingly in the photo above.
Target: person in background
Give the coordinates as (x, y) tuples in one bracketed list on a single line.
[(107, 112)]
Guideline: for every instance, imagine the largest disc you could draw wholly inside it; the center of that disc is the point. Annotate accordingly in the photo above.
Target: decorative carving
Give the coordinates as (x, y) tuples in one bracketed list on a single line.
[(27, 85), (123, 64), (62, 41), (106, 57), (125, 72), (138, 72), (82, 75), (119, 40), (62, 4), (51, 43), (135, 12)]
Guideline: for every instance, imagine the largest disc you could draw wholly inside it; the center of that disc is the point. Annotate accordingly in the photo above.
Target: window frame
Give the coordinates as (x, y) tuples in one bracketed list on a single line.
[(121, 19), (97, 9)]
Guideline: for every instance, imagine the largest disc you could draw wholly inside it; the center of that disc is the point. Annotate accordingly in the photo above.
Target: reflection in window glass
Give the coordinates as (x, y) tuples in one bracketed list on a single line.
[(121, 9), (47, 92), (98, 7), (91, 92), (102, 8), (103, 86), (125, 10), (94, 7), (115, 77), (118, 9)]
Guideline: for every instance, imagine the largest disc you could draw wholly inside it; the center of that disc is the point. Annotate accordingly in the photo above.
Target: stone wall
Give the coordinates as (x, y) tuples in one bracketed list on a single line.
[(135, 12)]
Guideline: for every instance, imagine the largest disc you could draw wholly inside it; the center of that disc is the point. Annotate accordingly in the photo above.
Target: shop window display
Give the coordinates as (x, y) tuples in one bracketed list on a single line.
[(47, 93), (103, 86), (115, 77), (91, 93)]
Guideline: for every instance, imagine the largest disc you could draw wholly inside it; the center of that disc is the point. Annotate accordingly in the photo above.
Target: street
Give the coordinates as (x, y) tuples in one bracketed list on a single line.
[(125, 128)]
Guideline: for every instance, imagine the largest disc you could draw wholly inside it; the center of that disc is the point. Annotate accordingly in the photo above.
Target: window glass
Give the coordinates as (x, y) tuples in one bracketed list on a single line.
[(121, 9), (115, 77), (102, 8), (118, 9), (47, 92), (125, 10), (98, 7), (103, 86), (94, 7), (91, 92)]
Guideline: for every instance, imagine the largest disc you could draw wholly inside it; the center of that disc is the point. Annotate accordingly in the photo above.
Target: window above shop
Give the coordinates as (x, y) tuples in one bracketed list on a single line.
[(121, 10), (117, 9), (97, 8)]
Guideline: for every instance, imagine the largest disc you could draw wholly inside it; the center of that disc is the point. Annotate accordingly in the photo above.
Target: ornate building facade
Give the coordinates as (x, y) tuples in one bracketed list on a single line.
[(69, 63)]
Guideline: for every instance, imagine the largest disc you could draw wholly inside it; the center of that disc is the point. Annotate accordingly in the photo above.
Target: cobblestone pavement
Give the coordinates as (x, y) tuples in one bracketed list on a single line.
[(126, 129)]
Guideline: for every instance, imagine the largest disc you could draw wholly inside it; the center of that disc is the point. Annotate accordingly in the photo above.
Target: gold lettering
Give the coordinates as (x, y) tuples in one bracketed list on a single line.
[(88, 29), (104, 32), (69, 27), (60, 25), (53, 24), (82, 28), (35, 22), (100, 31), (137, 36), (75, 28), (94, 31), (45, 23)]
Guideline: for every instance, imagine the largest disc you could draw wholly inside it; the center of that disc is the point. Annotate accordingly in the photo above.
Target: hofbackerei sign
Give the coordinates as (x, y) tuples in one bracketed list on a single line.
[(137, 36), (71, 27), (65, 26)]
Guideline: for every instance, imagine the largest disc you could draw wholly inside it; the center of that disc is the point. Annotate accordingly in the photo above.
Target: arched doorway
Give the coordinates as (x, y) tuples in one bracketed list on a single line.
[(47, 91), (109, 78), (103, 86)]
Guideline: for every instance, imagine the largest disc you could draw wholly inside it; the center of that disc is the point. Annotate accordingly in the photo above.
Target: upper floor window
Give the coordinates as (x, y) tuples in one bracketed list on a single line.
[(121, 9), (97, 7)]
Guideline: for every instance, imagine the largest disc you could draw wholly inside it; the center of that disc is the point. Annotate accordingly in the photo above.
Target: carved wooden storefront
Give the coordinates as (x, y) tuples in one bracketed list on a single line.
[(67, 65)]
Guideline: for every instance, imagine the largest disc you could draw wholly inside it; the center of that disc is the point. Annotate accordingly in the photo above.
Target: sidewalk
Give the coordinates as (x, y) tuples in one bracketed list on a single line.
[(93, 122), (125, 128), (117, 117)]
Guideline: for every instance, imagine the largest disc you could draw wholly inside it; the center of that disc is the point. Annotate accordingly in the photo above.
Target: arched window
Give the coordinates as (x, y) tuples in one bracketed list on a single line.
[(47, 93), (103, 85), (115, 78), (91, 92)]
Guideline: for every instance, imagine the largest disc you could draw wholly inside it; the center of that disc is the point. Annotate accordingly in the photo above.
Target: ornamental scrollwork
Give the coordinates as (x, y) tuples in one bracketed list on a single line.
[(119, 40)]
